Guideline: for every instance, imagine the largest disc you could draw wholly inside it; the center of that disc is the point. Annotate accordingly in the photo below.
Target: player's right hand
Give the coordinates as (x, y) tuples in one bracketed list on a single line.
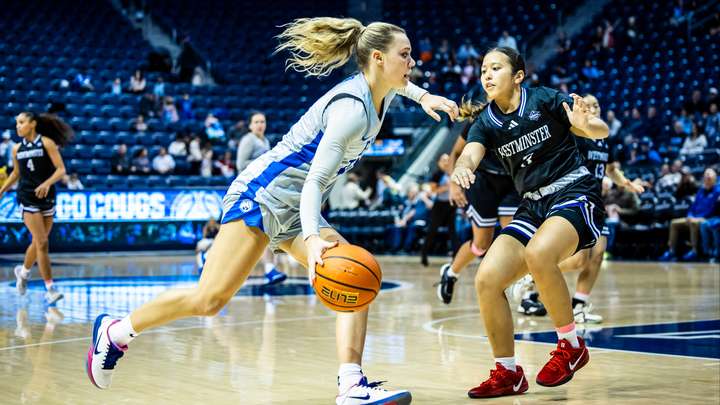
[(457, 195), (463, 177), (316, 246)]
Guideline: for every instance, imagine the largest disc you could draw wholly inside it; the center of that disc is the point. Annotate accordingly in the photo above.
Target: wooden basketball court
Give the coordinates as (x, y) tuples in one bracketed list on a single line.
[(659, 343)]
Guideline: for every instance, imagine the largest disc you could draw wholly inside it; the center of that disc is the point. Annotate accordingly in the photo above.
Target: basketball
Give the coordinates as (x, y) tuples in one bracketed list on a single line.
[(349, 280)]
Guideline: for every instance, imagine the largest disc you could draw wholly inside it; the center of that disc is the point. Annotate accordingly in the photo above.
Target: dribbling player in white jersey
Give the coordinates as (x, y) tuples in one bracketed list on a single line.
[(275, 202)]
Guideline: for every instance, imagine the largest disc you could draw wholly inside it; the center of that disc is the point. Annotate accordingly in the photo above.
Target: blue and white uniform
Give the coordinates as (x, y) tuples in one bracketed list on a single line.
[(282, 191)]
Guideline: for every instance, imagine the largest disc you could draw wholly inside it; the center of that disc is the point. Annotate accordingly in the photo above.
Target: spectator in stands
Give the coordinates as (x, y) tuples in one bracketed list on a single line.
[(116, 87), (653, 125), (412, 217), (141, 162), (695, 105), (426, 50), (468, 73), (703, 207), (687, 186), (198, 77), (712, 97), (6, 147), (712, 122), (137, 82), (635, 124), (178, 147), (235, 133), (72, 182), (444, 53), (591, 72), (608, 40), (206, 165), (254, 143), (148, 105), (209, 232), (163, 163), (467, 50), (186, 108), (710, 235), (159, 88), (195, 154), (645, 155), (213, 128), (170, 113), (613, 123), (139, 124), (669, 177), (120, 162), (442, 213), (353, 195), (695, 143), (619, 201), (685, 120), (225, 165), (507, 40)]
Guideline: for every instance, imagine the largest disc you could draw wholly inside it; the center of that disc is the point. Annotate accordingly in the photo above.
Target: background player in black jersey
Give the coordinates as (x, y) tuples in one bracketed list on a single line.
[(491, 198), (531, 131), (601, 163), (38, 166)]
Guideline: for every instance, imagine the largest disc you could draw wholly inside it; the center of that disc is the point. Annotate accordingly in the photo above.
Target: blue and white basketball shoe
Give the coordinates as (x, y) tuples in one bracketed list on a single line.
[(364, 393), (103, 353)]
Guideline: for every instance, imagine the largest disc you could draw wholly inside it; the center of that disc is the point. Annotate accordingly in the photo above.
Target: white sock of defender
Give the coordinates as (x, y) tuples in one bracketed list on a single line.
[(122, 333), (507, 362), (25, 272), (348, 375), (451, 273), (568, 333)]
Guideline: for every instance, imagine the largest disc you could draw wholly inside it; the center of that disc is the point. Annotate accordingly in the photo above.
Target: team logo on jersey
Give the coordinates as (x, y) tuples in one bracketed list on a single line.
[(513, 124), (534, 115), (246, 205)]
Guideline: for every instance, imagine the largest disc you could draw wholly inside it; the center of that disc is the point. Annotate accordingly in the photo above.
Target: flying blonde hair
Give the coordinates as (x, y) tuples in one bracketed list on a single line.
[(320, 45)]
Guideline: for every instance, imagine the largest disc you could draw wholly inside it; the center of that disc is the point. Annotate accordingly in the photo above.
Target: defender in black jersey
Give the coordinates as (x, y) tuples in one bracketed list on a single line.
[(491, 198), (38, 166), (532, 132), (600, 162)]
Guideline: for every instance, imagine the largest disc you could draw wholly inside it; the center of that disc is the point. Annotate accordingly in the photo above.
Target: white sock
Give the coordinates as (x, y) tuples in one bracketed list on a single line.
[(451, 273), (581, 296), (48, 284), (25, 272), (122, 333), (269, 267), (348, 375), (568, 334), (507, 362)]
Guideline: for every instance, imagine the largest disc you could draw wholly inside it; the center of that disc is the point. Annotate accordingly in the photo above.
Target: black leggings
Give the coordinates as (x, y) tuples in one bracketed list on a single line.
[(441, 214)]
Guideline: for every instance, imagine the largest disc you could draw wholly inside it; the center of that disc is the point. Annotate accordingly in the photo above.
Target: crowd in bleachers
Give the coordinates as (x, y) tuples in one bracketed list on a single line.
[(137, 127)]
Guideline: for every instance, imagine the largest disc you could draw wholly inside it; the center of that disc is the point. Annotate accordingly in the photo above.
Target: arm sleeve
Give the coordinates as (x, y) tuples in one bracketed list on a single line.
[(346, 121), (412, 92), (244, 152)]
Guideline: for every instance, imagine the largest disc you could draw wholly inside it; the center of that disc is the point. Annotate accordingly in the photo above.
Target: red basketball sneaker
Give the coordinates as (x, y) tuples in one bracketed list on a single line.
[(501, 382), (565, 361)]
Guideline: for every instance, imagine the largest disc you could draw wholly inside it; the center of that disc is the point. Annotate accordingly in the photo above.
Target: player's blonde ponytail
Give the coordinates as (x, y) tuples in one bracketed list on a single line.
[(318, 46)]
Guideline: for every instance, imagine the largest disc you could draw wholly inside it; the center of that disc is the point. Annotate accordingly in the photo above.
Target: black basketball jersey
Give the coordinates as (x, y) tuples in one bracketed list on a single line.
[(533, 143), (490, 163), (596, 154), (35, 167)]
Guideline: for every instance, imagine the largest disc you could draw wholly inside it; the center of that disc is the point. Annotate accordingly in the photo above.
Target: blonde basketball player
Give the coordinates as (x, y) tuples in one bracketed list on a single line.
[(276, 200)]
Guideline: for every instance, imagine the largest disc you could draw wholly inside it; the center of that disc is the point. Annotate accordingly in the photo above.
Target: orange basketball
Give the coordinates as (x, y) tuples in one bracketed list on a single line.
[(349, 280)]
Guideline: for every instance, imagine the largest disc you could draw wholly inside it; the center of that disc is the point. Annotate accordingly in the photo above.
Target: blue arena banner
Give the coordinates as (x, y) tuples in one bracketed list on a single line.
[(132, 206)]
